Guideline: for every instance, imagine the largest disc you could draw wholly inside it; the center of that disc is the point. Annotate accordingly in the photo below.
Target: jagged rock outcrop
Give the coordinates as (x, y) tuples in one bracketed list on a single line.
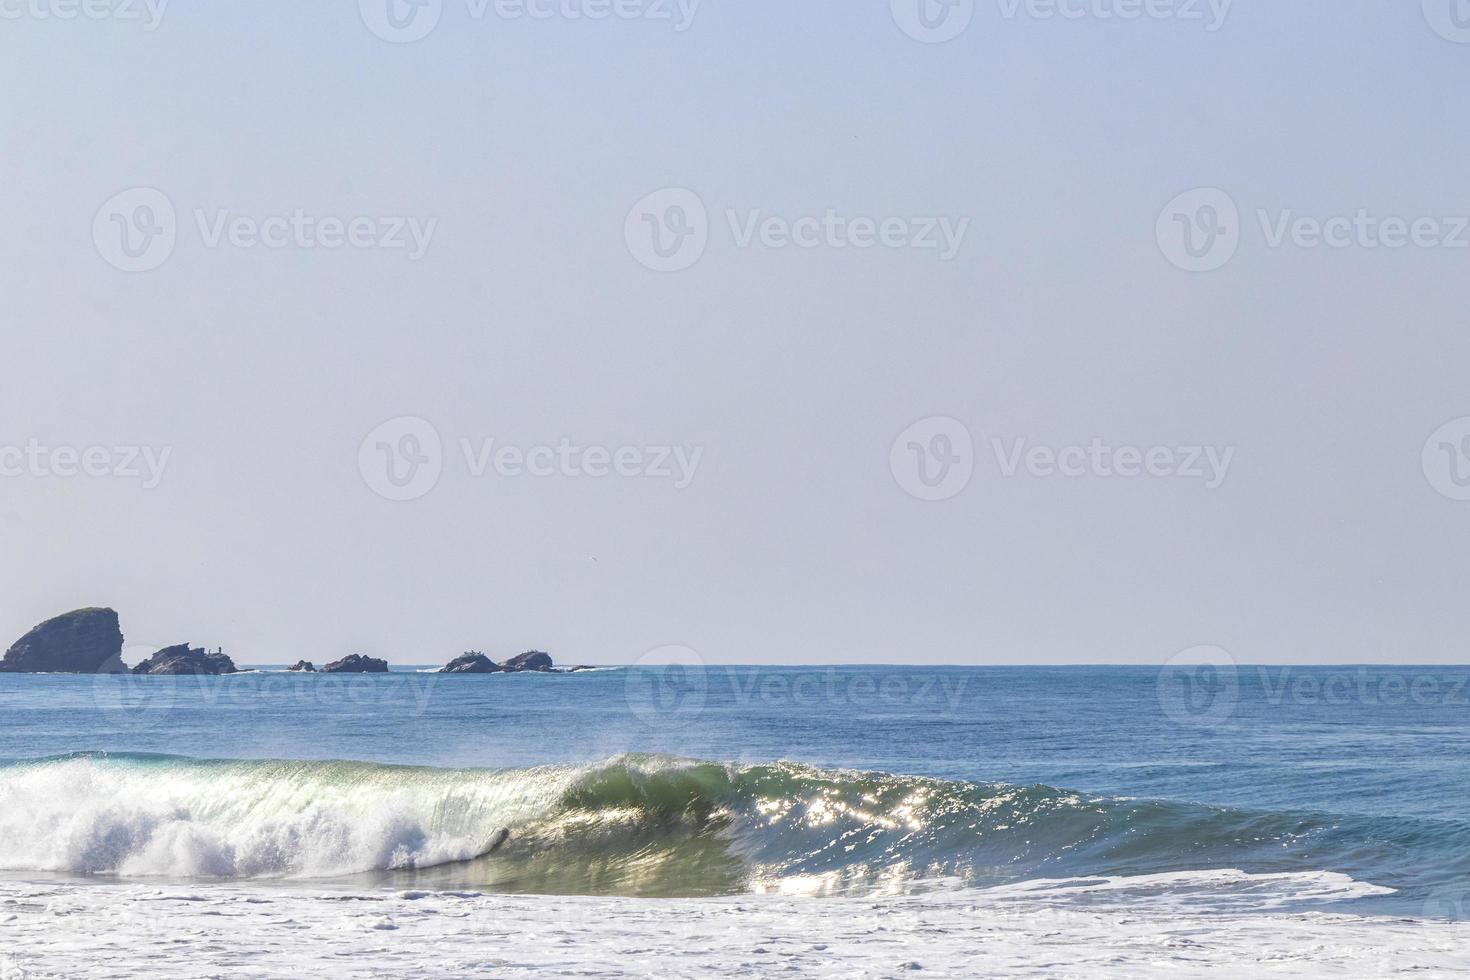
[(356, 663), (85, 641), (183, 659), (473, 662), (304, 666), (535, 661)]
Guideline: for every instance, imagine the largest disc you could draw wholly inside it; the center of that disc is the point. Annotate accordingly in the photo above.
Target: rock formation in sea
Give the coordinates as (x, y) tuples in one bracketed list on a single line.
[(356, 663), (473, 662), (535, 661), (304, 666), (85, 641), (183, 659)]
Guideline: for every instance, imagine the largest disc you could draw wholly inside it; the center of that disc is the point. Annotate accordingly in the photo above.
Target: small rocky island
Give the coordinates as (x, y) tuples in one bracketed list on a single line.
[(184, 660), (475, 662), (90, 641), (356, 664)]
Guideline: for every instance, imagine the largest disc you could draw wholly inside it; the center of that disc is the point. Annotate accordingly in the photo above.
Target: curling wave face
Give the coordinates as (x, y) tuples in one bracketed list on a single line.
[(647, 825)]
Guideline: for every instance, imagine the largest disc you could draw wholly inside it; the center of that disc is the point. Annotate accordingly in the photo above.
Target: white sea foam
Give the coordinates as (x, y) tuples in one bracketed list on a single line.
[(252, 820), (79, 930)]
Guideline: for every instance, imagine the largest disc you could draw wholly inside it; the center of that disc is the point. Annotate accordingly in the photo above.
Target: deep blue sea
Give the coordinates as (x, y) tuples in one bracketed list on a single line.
[(714, 780)]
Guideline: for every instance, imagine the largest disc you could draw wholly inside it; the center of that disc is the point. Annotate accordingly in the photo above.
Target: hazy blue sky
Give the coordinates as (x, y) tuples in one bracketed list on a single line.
[(524, 145)]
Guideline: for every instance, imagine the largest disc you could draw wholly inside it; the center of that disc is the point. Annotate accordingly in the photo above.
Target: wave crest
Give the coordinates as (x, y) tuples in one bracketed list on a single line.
[(647, 825)]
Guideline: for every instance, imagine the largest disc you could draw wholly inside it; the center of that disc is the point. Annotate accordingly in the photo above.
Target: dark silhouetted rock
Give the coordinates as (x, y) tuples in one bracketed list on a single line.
[(305, 666), (182, 659), (534, 661), (356, 664), (472, 663), (86, 641)]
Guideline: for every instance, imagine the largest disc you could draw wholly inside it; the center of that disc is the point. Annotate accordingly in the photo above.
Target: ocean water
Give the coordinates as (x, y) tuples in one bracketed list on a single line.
[(1330, 801)]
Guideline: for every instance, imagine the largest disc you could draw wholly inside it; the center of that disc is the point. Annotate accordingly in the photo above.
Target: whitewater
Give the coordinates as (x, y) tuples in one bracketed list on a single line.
[(1147, 927)]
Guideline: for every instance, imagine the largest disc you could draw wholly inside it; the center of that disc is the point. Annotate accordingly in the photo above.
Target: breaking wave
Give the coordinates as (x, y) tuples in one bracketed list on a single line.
[(645, 825)]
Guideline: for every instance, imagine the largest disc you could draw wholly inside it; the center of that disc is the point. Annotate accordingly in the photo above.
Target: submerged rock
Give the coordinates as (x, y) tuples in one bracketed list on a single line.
[(535, 661), (182, 659), (85, 641), (305, 666), (473, 662), (356, 663)]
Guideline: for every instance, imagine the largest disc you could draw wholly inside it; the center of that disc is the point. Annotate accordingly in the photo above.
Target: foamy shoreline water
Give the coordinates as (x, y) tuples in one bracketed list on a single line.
[(66, 928)]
